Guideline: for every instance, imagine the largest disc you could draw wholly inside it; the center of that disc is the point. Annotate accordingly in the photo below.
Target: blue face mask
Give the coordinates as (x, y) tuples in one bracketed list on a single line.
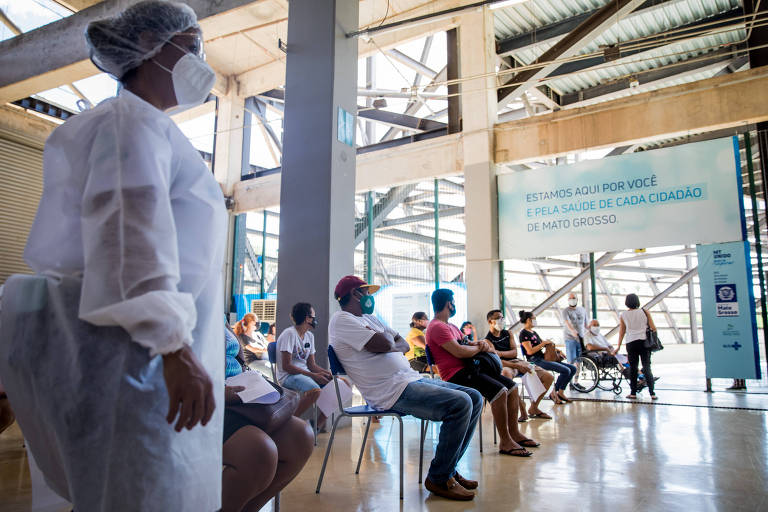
[(367, 303)]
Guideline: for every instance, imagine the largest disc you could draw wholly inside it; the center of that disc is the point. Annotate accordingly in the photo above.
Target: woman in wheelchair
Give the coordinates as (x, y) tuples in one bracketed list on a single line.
[(533, 348)]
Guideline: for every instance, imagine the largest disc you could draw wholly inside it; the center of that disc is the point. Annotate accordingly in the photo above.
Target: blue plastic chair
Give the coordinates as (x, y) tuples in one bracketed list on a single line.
[(272, 355), (363, 411), (431, 363)]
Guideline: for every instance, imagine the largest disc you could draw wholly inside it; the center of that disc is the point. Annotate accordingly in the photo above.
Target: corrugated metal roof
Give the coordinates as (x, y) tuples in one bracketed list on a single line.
[(534, 14), (522, 18), (644, 61)]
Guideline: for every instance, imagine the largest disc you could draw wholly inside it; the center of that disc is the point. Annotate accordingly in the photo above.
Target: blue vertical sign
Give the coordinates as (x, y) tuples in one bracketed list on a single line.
[(728, 313), (345, 127)]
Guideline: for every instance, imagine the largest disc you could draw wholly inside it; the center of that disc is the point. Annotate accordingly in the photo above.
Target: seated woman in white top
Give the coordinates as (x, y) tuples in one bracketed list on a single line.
[(633, 324)]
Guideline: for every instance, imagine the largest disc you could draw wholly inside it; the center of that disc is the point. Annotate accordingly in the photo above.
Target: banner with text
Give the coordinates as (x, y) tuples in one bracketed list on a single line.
[(680, 195), (728, 314)]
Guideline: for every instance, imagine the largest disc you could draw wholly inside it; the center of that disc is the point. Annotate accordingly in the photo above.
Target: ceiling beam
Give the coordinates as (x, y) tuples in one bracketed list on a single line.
[(56, 54), (401, 121), (568, 46), (411, 63), (714, 23), (385, 168), (77, 5), (652, 79), (707, 105)]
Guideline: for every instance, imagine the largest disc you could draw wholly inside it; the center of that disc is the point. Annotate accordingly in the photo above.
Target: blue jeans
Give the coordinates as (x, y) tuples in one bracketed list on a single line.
[(572, 350), (566, 371), (300, 383), (456, 406)]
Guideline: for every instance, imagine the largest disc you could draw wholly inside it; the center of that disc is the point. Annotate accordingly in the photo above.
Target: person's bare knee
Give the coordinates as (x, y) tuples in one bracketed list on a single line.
[(250, 450), (295, 441)]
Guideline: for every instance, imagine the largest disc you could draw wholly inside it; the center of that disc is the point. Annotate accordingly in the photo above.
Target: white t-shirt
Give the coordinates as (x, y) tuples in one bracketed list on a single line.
[(300, 350), (381, 378), (598, 341), (636, 323)]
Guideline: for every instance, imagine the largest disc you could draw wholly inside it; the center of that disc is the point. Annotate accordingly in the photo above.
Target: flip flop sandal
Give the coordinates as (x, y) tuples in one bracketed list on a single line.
[(556, 399), (522, 420), (516, 452), (541, 416), (528, 443)]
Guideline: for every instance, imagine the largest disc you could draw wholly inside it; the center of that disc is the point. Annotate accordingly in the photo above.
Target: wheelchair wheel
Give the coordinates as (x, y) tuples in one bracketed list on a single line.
[(589, 375), (610, 378)]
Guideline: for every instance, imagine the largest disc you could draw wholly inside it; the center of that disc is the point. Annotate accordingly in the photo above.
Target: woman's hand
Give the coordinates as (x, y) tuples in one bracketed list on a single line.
[(230, 395), (190, 391)]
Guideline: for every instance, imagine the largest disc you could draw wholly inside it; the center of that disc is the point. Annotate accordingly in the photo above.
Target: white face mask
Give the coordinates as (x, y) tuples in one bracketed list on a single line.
[(572, 302), (533, 323), (594, 330), (192, 79), (498, 324)]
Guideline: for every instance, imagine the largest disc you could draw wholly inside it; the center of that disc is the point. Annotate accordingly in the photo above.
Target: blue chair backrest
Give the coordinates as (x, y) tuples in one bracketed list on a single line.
[(333, 361), (264, 328), (430, 359), (272, 352)]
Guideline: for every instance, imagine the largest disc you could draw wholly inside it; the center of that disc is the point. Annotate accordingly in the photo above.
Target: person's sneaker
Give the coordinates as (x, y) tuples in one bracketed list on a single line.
[(451, 490), (467, 484)]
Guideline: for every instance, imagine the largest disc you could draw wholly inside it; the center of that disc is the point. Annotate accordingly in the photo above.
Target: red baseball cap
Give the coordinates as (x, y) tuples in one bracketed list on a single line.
[(348, 283)]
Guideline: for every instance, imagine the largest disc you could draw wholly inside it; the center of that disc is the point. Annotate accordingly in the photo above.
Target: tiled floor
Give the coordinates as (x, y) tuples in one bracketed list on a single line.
[(595, 456)]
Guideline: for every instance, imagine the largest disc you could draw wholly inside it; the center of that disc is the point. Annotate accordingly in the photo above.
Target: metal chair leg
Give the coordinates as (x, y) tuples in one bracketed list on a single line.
[(423, 432), (277, 502), (494, 431), (400, 419), (480, 427), (314, 429), (362, 447), (327, 453)]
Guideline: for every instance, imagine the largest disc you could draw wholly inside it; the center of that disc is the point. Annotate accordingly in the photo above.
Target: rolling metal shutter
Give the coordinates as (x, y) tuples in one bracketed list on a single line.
[(21, 185)]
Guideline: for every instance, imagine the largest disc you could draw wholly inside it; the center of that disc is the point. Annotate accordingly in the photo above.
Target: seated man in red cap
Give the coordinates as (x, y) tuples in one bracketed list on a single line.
[(373, 356)]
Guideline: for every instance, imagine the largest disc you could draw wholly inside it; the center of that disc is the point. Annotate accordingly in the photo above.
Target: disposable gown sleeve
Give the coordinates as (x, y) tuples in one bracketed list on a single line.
[(131, 272)]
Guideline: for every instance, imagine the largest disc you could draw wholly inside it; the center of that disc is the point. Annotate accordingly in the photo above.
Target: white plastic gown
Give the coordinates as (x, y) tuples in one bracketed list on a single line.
[(131, 214)]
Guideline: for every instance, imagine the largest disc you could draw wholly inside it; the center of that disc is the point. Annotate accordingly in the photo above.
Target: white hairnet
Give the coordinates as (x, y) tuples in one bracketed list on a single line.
[(122, 43)]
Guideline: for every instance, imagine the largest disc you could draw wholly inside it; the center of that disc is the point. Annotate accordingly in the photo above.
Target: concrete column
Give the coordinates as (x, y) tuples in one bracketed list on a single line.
[(227, 169), (317, 192), (477, 56)]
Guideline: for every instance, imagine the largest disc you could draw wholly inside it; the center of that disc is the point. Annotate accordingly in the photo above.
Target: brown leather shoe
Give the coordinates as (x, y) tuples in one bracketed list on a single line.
[(451, 489), (467, 484)]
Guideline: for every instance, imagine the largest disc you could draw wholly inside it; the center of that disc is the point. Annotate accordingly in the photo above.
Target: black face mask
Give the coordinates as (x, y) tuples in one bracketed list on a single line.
[(451, 309), (313, 323)]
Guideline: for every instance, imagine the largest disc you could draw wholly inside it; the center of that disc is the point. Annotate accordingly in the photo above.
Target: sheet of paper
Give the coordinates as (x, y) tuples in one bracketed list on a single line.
[(533, 385), (327, 402), (257, 389)]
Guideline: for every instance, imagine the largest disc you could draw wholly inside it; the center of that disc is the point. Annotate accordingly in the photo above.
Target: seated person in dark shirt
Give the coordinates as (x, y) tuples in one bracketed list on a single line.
[(513, 366), (533, 348), (450, 353)]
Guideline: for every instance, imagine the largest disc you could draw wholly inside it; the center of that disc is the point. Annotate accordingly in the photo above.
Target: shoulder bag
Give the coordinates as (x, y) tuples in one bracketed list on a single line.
[(652, 341), (551, 353)]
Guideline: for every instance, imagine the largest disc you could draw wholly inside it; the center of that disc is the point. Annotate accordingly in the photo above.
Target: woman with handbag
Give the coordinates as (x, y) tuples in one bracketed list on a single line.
[(258, 463), (534, 349), (635, 324)]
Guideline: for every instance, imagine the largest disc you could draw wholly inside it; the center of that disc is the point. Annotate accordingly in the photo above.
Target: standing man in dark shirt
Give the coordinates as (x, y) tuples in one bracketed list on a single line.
[(513, 366)]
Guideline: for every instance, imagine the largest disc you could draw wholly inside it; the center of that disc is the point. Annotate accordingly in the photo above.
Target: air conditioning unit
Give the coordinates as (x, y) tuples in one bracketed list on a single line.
[(265, 309)]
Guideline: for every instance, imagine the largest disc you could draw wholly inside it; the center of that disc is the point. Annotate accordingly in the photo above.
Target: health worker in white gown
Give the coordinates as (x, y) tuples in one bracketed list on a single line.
[(122, 401)]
